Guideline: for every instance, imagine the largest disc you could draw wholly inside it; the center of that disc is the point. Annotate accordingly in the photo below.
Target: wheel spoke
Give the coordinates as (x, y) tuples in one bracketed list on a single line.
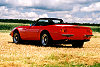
[(44, 39), (16, 38)]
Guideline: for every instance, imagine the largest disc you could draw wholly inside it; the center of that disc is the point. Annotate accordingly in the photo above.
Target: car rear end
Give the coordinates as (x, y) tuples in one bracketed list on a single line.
[(72, 32), (77, 33)]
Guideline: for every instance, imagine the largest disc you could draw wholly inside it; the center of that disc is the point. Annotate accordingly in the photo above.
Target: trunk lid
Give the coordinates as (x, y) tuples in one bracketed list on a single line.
[(79, 32)]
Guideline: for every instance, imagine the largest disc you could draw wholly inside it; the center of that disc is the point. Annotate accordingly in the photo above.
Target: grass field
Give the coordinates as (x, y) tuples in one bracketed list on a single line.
[(31, 55)]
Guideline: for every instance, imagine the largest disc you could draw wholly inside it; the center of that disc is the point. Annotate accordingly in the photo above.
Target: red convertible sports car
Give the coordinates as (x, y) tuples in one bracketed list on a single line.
[(52, 30)]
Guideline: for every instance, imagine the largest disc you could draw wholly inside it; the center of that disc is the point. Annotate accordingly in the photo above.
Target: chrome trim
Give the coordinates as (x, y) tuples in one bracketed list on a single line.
[(88, 35), (68, 35)]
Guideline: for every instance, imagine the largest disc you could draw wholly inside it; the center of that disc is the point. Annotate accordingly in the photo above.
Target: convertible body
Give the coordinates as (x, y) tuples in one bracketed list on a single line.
[(55, 30)]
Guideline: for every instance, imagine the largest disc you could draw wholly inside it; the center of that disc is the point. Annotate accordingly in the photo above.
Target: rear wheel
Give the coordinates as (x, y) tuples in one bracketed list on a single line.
[(45, 39), (16, 37), (77, 44)]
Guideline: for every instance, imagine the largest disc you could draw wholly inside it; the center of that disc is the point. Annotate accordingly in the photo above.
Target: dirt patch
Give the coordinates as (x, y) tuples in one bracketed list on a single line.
[(29, 55)]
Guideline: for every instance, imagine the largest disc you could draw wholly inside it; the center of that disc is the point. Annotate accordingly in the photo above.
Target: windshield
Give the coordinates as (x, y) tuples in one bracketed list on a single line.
[(44, 22)]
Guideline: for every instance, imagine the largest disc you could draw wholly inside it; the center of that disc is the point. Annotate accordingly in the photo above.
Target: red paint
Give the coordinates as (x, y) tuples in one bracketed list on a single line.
[(33, 32)]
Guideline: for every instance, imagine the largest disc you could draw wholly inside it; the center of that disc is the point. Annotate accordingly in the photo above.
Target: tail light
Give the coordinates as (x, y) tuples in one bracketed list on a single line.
[(63, 30), (90, 31)]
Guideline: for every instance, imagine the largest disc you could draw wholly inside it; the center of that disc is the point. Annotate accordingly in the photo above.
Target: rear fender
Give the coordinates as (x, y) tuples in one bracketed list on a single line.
[(44, 31)]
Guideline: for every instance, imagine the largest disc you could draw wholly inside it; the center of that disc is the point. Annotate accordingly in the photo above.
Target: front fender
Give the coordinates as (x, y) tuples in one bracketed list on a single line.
[(11, 33)]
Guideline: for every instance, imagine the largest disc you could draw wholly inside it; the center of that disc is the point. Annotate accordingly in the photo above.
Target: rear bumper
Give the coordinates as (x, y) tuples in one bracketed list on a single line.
[(88, 35), (65, 36), (83, 37), (68, 35)]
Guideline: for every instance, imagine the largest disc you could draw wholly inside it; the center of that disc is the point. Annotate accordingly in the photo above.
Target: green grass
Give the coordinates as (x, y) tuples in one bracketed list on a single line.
[(10, 26), (95, 28)]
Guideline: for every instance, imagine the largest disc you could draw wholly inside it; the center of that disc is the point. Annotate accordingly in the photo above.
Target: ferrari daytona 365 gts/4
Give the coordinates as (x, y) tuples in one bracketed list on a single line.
[(52, 30)]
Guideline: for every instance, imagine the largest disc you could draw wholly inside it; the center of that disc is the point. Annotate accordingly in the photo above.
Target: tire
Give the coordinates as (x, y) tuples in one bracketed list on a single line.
[(77, 44), (45, 39), (16, 38)]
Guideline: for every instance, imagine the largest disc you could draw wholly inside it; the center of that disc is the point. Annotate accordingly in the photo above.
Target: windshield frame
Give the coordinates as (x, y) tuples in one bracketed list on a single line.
[(50, 21)]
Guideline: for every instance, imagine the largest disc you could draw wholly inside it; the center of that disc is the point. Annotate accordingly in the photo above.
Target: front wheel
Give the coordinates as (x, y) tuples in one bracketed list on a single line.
[(77, 44), (16, 38)]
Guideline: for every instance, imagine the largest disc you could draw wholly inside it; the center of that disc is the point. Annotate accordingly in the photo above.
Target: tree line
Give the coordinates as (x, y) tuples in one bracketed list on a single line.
[(84, 24), (30, 22), (17, 21)]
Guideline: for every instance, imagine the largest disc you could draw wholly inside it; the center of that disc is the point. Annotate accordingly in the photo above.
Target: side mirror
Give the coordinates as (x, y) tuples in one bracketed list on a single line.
[(30, 24)]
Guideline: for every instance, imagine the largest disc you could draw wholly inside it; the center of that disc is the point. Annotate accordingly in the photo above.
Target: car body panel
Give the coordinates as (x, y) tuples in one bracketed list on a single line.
[(56, 32)]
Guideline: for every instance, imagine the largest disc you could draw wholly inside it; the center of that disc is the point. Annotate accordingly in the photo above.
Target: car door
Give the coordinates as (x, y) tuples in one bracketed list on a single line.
[(30, 33), (33, 32)]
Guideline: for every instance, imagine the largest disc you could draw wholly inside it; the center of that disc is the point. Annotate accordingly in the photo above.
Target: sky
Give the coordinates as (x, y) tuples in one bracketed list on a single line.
[(79, 11)]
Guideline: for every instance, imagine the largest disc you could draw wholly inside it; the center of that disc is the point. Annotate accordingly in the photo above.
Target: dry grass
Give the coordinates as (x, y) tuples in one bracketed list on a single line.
[(96, 35), (22, 55)]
